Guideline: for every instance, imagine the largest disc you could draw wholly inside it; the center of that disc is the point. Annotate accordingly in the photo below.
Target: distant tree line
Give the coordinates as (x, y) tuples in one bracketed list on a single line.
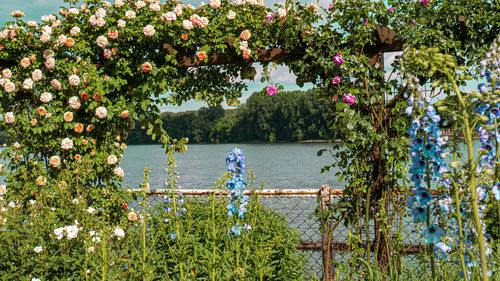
[(288, 116)]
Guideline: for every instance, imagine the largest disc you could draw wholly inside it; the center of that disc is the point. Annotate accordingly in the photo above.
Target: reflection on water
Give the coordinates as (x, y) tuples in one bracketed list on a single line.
[(281, 165)]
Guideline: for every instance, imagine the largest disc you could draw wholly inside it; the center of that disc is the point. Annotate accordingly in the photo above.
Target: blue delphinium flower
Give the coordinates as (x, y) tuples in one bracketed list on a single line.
[(419, 214), (496, 191), (173, 235), (236, 187), (433, 234), (423, 197), (442, 250)]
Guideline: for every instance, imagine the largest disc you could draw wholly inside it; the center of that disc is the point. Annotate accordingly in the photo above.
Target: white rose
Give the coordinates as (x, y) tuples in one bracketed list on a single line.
[(118, 3), (148, 30), (71, 231), (61, 39), (93, 20), (74, 102), (100, 13), (59, 232), (170, 16), (74, 80), (55, 161), (155, 7), (74, 31), (38, 249), (102, 41), (178, 10), (45, 37), (231, 15), (91, 210), (140, 4), (106, 4), (9, 87), (28, 84), (9, 117), (41, 181), (100, 22), (112, 159), (120, 233), (46, 97), (119, 172), (243, 45), (47, 54), (186, 24), (101, 112), (239, 3), (25, 62), (73, 11), (6, 73), (66, 144), (281, 13), (129, 14), (121, 23), (36, 75), (50, 63), (214, 4), (3, 190), (32, 23), (47, 29)]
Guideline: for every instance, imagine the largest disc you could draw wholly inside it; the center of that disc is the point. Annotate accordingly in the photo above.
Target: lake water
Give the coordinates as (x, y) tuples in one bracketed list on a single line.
[(280, 165)]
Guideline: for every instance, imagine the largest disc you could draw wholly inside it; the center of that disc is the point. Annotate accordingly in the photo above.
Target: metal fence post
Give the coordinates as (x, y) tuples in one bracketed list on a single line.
[(326, 229)]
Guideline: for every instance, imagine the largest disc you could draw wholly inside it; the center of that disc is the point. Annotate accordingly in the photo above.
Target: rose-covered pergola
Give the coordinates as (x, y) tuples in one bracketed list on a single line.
[(73, 83)]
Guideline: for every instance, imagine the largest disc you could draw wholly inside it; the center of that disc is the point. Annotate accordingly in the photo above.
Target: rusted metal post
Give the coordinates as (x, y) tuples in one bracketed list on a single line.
[(326, 229)]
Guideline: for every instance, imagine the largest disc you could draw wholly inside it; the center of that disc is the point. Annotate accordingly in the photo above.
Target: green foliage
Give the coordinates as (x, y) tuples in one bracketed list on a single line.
[(111, 243)]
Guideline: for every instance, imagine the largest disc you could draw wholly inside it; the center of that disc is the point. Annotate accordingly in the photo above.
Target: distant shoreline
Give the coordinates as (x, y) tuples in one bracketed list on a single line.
[(278, 142)]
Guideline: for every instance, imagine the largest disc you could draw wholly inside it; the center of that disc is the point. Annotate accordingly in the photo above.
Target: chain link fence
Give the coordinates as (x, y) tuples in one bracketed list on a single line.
[(298, 206)]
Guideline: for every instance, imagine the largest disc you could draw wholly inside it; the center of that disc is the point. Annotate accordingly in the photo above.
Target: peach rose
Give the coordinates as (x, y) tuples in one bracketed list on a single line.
[(245, 35), (68, 116), (146, 67), (113, 34), (42, 111), (78, 128), (246, 53), (201, 55), (125, 114), (55, 161)]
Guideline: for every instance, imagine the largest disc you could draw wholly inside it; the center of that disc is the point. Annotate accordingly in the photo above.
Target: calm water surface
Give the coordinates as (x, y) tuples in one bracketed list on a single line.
[(280, 165)]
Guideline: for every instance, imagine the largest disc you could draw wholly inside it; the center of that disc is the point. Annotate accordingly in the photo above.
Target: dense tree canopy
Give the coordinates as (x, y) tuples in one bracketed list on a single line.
[(290, 116)]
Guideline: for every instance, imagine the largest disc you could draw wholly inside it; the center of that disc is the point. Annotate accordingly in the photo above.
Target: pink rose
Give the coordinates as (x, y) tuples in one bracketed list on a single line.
[(271, 90), (350, 99), (338, 59), (336, 80)]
